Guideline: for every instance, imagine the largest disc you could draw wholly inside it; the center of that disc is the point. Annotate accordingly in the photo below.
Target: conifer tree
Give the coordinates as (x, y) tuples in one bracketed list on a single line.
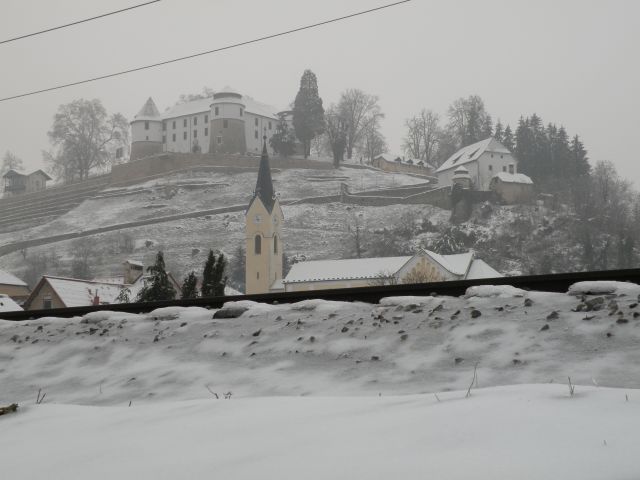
[(507, 139), (213, 276), (487, 127), (308, 113), (189, 286), (498, 132), (283, 141), (158, 287)]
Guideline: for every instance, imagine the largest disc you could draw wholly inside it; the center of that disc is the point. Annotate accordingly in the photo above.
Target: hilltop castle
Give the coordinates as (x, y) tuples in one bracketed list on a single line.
[(227, 122)]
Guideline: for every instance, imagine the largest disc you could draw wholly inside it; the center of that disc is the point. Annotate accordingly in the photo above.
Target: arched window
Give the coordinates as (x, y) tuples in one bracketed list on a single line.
[(275, 244), (258, 245)]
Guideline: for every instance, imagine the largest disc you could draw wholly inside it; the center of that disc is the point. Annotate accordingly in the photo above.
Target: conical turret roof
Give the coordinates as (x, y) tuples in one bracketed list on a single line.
[(149, 111), (264, 186)]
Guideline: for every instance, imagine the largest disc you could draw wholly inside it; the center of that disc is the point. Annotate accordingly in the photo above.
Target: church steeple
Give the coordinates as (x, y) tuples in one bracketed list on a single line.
[(264, 185)]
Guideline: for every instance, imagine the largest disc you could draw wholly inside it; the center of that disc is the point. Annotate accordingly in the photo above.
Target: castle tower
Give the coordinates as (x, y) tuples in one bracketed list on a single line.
[(227, 123), (146, 131), (263, 232)]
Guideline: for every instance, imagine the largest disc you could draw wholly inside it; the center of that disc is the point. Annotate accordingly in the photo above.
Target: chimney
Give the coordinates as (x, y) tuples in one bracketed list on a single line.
[(96, 299)]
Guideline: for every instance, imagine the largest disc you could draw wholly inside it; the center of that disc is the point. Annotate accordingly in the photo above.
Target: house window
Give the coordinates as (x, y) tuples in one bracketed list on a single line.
[(504, 169), (257, 245), (217, 111), (256, 122), (184, 122), (511, 169), (219, 140), (184, 135), (146, 125), (46, 302), (195, 120), (275, 244), (225, 123), (491, 167), (174, 124), (206, 131), (174, 137), (164, 126), (206, 119)]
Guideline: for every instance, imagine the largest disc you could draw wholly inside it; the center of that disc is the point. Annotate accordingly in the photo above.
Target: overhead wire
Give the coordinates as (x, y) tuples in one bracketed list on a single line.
[(66, 25), (207, 52)]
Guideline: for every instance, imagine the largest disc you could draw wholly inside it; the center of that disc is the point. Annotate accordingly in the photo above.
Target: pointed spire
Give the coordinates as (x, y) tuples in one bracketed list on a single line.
[(264, 185), (149, 111)]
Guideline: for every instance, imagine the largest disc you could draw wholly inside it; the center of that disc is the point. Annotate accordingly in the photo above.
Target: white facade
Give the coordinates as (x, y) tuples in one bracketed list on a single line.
[(483, 160), (191, 124)]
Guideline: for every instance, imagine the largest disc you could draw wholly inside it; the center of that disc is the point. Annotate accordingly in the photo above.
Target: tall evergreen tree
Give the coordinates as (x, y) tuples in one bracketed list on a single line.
[(498, 133), (158, 287), (579, 157), (189, 286), (213, 276), (308, 113), (508, 140), (283, 141), (487, 127)]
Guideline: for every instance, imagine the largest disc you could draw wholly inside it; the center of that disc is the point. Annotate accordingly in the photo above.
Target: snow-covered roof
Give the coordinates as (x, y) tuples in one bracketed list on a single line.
[(203, 105), (40, 172), (149, 111), (399, 159), (134, 262), (13, 173), (480, 269), (78, 293), (8, 305), (473, 152), (7, 278), (351, 269), (513, 178), (458, 263)]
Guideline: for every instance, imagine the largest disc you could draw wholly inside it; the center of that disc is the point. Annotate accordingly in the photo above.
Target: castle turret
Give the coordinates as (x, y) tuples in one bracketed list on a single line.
[(263, 233), (146, 131), (227, 122)]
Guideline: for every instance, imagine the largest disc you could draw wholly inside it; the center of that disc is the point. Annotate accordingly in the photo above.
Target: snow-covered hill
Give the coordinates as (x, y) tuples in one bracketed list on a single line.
[(323, 389)]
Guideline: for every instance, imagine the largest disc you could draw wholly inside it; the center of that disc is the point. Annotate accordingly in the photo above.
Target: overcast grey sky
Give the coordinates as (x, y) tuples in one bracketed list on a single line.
[(573, 62)]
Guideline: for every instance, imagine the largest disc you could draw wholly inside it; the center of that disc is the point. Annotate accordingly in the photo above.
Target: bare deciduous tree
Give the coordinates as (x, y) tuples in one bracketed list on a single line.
[(423, 136), (11, 162), (357, 108)]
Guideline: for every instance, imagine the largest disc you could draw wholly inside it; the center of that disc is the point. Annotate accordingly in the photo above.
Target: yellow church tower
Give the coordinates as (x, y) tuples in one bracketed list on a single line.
[(263, 233)]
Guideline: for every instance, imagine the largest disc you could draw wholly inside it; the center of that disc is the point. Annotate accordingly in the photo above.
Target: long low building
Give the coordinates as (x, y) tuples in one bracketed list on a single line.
[(13, 287), (424, 266)]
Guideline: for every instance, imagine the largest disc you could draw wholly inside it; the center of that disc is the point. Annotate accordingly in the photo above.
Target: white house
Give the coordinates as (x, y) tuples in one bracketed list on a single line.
[(425, 266), (483, 160), (227, 122)]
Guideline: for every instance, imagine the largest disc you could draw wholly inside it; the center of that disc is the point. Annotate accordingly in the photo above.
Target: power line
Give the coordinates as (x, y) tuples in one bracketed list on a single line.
[(215, 50), (77, 22)]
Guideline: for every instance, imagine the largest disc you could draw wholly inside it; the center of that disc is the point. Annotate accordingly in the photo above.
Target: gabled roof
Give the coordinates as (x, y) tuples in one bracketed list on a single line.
[(41, 172), (203, 105), (264, 184), (13, 173), (149, 111), (513, 178), (74, 292), (8, 305), (473, 152), (7, 278)]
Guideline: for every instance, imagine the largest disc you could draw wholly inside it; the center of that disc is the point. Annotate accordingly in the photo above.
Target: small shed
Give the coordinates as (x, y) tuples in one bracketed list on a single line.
[(512, 187)]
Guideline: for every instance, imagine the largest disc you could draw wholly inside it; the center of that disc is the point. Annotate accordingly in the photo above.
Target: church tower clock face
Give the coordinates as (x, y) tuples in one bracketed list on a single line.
[(257, 219)]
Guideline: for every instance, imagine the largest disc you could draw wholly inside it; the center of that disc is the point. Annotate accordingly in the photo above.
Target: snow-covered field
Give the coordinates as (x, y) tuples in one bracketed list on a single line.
[(332, 390)]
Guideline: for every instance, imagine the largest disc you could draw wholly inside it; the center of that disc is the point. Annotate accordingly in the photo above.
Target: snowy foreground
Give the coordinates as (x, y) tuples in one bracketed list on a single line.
[(332, 390)]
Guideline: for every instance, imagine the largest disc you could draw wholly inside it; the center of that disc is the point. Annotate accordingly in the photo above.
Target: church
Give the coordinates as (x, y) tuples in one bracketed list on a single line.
[(264, 255)]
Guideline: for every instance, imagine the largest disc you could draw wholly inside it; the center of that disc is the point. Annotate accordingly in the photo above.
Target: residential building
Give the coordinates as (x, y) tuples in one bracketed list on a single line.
[(396, 163), (18, 183), (424, 266), (227, 122), (13, 287), (7, 304), (512, 187), (483, 160)]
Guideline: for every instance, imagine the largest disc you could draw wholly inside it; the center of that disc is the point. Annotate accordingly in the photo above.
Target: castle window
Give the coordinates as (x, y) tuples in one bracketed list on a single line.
[(217, 111), (225, 123), (146, 125), (206, 131), (241, 111), (219, 140), (206, 119), (147, 138), (164, 139), (174, 124), (269, 125), (256, 133), (174, 137), (195, 120), (256, 121), (184, 135), (184, 122), (275, 244), (195, 134), (257, 247), (504, 169)]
